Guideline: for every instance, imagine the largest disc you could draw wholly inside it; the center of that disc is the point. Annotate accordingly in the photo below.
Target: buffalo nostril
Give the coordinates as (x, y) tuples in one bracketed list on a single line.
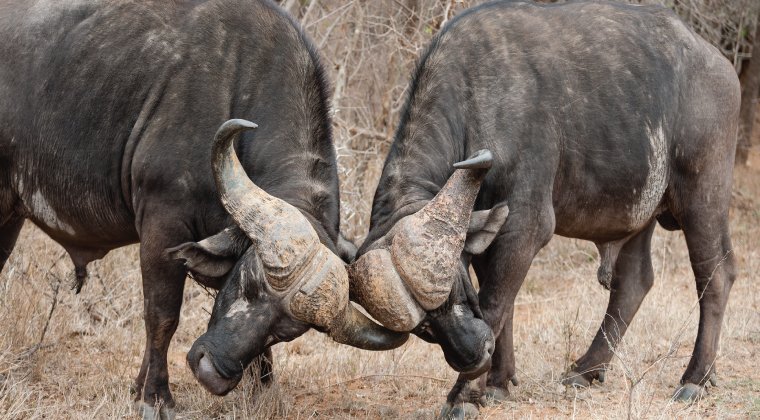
[(485, 360), (205, 366), (193, 358), (210, 378), (490, 347)]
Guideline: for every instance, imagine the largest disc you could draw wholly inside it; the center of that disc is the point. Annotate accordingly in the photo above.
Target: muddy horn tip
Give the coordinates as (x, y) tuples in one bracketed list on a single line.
[(479, 160)]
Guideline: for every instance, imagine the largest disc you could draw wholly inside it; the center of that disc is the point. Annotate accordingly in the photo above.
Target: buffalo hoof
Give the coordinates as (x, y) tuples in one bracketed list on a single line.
[(495, 396), (146, 412), (575, 380), (459, 411), (689, 393), (579, 380)]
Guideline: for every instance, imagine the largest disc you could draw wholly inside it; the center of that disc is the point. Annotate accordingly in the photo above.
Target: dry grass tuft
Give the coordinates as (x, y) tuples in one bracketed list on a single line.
[(78, 360)]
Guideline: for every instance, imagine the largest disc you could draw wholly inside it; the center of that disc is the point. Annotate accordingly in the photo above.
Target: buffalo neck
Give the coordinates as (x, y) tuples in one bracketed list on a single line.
[(430, 138), (290, 155)]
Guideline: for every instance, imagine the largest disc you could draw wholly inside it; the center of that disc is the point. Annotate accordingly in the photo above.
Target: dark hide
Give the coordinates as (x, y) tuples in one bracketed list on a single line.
[(108, 111), (601, 117), (227, 345)]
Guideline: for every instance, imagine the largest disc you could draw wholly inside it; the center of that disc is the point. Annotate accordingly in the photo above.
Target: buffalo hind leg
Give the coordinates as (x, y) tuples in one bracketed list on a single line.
[(9, 232), (632, 279), (714, 266)]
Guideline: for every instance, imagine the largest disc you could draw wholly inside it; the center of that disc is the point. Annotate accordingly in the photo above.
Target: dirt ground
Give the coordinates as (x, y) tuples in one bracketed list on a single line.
[(67, 356)]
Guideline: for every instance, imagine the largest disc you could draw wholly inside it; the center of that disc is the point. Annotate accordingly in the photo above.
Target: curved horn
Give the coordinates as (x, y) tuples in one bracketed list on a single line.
[(397, 287), (376, 285), (427, 248), (356, 330), (324, 301), (283, 237), (482, 159), (291, 252)]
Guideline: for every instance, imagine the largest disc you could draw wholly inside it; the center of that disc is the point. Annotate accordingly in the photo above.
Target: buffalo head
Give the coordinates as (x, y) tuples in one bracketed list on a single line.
[(416, 277), (282, 285)]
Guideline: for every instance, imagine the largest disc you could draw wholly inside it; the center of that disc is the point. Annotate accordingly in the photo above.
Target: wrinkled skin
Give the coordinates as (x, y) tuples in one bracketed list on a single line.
[(248, 317), (107, 114), (469, 350), (603, 119), (287, 281), (415, 277), (458, 324)]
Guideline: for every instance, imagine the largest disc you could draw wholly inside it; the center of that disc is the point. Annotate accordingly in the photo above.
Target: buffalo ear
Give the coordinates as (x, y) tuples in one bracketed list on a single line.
[(484, 225), (214, 256)]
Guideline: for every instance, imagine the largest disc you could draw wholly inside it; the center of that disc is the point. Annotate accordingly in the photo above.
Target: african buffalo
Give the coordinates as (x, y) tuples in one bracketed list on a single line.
[(603, 119), (108, 109)]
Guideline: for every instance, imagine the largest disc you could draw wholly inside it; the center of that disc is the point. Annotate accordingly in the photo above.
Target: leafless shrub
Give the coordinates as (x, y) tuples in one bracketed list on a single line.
[(370, 48), (725, 24)]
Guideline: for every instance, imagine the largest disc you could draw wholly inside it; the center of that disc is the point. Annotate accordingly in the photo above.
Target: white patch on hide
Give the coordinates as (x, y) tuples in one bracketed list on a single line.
[(43, 211), (242, 280), (20, 185), (39, 12), (238, 306), (458, 311), (657, 179)]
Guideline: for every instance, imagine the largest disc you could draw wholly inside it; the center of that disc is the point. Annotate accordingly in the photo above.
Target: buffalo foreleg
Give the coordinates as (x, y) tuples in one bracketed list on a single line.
[(633, 278), (501, 271), (163, 284), (464, 398), (508, 260)]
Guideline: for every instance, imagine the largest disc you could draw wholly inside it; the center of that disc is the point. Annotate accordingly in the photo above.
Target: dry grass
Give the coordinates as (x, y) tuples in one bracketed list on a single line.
[(93, 344)]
